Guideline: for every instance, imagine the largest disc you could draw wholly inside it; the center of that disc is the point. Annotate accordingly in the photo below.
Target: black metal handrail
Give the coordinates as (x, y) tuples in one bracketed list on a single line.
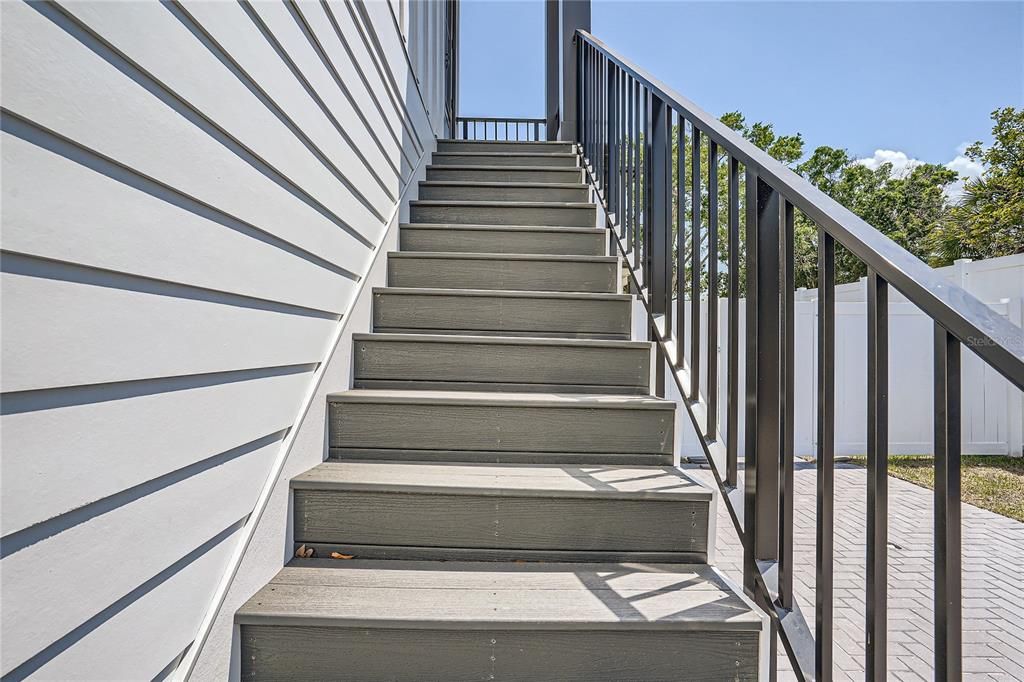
[(626, 121), (489, 128)]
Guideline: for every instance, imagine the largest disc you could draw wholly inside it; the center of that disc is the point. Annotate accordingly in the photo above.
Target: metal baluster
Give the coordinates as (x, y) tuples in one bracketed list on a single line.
[(786, 491), (681, 244), (695, 265), (948, 617), (825, 526), (659, 190), (628, 180), (620, 133), (628, 163), (636, 176), (711, 426), (733, 403), (612, 179), (581, 93), (648, 222), (878, 465)]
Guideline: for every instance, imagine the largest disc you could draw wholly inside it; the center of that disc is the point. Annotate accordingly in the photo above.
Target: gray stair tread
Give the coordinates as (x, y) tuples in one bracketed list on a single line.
[(501, 294), (562, 400), (501, 228), (465, 255), (494, 152), (521, 480), (500, 340), (469, 595), (518, 143), (492, 183), (491, 167), (503, 204)]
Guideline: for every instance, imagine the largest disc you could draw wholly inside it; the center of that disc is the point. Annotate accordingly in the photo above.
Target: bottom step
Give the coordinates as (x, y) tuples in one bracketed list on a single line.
[(390, 620)]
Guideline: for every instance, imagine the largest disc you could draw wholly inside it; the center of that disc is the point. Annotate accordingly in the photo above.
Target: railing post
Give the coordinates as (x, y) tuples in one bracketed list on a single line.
[(761, 477), (552, 64), (948, 624), (787, 361), (572, 15), (661, 211), (876, 610), (659, 191), (825, 527)]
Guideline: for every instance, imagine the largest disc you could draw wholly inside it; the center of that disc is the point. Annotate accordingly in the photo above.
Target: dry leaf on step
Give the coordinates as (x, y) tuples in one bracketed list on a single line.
[(339, 555)]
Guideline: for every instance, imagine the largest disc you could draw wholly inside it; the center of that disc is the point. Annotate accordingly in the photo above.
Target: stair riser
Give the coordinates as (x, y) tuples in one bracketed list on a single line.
[(509, 193), (460, 428), (285, 652), (563, 317), (559, 175), (537, 160), (601, 527), (501, 366), (582, 216), (501, 147), (497, 241), (507, 275)]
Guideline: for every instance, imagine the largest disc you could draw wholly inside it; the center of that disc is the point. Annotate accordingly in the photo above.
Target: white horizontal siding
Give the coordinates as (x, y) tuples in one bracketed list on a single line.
[(140, 539), (192, 198), (55, 82), (63, 458), (149, 628), (99, 334), (137, 233)]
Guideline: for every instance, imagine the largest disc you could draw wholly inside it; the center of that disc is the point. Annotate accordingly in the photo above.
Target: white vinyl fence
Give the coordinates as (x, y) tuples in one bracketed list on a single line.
[(993, 411)]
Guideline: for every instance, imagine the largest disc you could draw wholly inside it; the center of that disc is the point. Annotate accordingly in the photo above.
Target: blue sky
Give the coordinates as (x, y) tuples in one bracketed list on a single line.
[(917, 79)]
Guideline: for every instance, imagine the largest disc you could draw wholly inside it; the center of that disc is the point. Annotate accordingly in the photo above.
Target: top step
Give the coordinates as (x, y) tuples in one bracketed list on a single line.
[(537, 159), (499, 147)]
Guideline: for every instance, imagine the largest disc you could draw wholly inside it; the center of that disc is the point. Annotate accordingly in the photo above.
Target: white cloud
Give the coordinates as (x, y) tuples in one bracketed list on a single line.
[(967, 168), (902, 164)]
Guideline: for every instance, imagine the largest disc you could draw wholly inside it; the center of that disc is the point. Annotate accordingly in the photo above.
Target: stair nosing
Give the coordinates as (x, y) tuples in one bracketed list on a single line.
[(543, 169), (512, 154), (472, 255), (506, 204), (494, 183), (503, 293), (446, 140), (582, 401), (385, 337), (510, 228)]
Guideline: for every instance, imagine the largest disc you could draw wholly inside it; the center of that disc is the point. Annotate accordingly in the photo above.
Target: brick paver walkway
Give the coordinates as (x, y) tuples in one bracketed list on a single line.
[(993, 578)]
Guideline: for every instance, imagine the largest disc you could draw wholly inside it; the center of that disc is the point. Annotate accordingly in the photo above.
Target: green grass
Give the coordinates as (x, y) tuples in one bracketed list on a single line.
[(989, 482)]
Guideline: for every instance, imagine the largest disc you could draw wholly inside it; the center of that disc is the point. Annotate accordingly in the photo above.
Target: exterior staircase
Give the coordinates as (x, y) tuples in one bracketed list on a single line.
[(500, 473)]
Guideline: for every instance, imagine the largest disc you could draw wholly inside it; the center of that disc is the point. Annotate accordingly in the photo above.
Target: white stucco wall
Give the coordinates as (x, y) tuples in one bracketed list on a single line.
[(193, 195)]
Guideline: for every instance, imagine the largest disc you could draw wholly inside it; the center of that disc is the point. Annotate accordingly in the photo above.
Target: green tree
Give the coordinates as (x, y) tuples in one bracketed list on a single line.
[(989, 220), (907, 208)]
